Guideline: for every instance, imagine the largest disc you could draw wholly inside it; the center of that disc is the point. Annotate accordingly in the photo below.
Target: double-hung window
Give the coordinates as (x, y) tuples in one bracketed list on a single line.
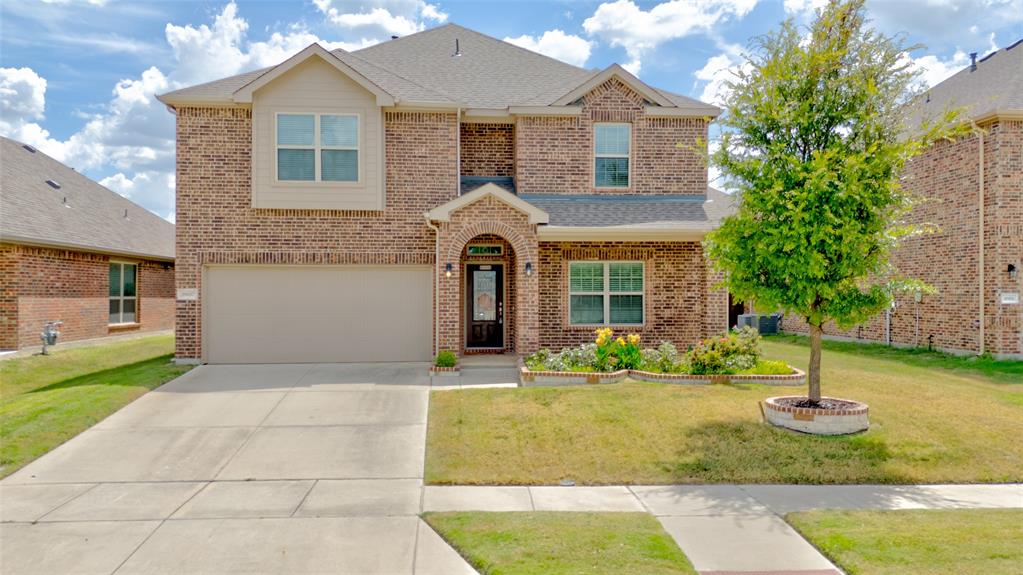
[(605, 293), (612, 146), (122, 292), (318, 147)]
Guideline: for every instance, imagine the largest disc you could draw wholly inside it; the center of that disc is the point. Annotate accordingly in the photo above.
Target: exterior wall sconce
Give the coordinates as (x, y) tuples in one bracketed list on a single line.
[(529, 268), (447, 270), (1013, 272)]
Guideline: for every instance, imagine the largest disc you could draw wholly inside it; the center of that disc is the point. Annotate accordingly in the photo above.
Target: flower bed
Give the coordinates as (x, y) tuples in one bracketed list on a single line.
[(528, 377), (732, 358)]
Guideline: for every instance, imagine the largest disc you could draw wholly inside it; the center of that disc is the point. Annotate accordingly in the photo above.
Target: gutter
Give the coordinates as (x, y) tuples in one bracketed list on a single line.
[(7, 238)]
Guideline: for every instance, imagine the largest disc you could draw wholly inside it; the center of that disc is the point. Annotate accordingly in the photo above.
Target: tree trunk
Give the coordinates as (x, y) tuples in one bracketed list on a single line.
[(813, 373)]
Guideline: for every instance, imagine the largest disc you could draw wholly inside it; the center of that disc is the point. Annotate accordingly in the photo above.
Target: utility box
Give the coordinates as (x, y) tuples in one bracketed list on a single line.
[(764, 324)]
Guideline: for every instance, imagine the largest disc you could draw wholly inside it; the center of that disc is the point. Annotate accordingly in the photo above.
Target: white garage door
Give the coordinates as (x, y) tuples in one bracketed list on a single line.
[(297, 314)]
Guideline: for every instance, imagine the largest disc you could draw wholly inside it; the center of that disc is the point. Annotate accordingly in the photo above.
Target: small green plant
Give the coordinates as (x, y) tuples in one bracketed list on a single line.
[(730, 353), (445, 358), (768, 367)]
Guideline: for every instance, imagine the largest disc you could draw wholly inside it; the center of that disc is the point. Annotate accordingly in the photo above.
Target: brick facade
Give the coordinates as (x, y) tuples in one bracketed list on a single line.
[(487, 149), (43, 284), (555, 154), (681, 303), (947, 177), (217, 225)]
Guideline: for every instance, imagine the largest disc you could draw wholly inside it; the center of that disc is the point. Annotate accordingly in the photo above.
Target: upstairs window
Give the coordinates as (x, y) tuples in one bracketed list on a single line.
[(122, 292), (318, 147), (612, 145)]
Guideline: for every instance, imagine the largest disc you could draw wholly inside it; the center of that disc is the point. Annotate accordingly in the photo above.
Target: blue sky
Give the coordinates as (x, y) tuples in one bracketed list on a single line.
[(78, 77)]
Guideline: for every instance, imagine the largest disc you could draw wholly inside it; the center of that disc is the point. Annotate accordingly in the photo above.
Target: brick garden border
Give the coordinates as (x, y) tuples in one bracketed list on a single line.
[(446, 371), (817, 420), (534, 378)]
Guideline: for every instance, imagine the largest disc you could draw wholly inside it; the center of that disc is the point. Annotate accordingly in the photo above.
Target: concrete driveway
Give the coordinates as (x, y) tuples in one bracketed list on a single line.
[(238, 469)]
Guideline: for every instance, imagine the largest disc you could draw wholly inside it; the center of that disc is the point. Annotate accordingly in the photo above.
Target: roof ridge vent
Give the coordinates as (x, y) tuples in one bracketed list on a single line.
[(1014, 44), (29, 147), (53, 184)]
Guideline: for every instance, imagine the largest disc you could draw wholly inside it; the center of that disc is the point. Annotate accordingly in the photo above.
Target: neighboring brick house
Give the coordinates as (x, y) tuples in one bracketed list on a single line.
[(972, 186), (444, 190), (74, 251)]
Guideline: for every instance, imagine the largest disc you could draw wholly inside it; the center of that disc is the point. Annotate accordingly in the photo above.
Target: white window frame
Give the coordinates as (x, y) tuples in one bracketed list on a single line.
[(628, 156), (317, 148), (606, 293), (121, 298)]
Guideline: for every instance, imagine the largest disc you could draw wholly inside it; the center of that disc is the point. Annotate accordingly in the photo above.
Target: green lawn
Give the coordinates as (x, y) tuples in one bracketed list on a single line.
[(46, 400), (932, 421), (549, 543), (918, 542)]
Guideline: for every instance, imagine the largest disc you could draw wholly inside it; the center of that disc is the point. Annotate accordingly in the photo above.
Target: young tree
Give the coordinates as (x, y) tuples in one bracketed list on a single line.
[(814, 139)]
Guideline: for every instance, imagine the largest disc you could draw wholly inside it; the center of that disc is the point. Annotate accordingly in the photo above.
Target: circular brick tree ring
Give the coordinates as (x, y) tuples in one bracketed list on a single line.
[(834, 417)]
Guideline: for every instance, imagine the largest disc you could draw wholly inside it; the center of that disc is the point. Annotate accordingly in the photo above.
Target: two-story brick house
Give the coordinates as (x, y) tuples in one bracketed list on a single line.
[(444, 190)]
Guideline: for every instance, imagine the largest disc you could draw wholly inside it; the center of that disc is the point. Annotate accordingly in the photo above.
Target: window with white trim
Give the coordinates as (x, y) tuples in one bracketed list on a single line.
[(122, 292), (605, 293), (318, 147), (612, 144)]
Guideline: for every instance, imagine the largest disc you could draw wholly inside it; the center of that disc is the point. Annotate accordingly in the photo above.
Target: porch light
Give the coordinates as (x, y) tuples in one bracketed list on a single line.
[(447, 270), (529, 268)]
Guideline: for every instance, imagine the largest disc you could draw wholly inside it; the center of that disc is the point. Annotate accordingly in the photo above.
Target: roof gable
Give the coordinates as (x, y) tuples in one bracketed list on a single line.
[(244, 94), (622, 75), (442, 213)]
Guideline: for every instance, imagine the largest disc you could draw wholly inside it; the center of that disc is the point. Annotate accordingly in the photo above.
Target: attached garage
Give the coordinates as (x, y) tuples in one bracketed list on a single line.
[(300, 314)]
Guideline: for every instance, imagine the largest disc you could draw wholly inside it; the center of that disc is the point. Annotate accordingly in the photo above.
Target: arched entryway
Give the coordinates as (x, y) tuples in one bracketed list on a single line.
[(487, 295)]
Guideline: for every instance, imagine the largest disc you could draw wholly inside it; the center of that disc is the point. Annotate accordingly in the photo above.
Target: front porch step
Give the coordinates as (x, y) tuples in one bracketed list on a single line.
[(488, 360)]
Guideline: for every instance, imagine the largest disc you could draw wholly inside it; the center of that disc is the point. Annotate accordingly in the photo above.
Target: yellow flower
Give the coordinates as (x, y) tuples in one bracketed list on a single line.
[(634, 338), (620, 341)]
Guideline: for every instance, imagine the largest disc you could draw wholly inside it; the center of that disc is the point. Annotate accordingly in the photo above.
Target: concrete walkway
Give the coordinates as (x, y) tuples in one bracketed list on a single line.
[(238, 469), (729, 529)]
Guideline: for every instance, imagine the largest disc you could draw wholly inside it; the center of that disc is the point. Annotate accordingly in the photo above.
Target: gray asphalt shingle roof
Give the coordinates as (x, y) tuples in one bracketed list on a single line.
[(691, 212), (422, 67), (996, 84), (32, 211)]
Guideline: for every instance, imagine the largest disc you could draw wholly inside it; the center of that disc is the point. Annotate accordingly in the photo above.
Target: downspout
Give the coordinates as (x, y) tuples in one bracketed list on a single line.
[(436, 284), (458, 152), (980, 232)]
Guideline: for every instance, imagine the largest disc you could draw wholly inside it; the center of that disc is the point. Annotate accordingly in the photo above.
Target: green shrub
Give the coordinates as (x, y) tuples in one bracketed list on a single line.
[(768, 367), (445, 358), (730, 353), (664, 359)]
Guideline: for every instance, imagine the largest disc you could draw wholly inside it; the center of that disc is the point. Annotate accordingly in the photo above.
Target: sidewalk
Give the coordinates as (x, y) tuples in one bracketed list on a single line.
[(729, 529)]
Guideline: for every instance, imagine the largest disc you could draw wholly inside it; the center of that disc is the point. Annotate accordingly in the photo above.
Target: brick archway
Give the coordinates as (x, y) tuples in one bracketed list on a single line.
[(488, 216)]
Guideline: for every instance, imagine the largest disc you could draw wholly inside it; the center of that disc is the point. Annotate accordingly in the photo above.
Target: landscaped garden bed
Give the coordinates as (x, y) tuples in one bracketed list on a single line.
[(732, 358)]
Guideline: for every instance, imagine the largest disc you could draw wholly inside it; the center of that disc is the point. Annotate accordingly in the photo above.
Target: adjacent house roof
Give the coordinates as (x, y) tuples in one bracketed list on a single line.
[(47, 203), (458, 67), (994, 87), (632, 216)]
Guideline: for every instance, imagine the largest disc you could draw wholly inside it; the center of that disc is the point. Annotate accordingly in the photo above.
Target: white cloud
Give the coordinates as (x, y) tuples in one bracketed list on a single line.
[(955, 22), (804, 6), (623, 23), (22, 96), (153, 189), (379, 19), (933, 69), (716, 72), (558, 45)]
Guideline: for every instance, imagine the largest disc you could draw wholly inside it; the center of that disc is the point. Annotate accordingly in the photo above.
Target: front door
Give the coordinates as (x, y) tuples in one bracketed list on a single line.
[(485, 306)]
